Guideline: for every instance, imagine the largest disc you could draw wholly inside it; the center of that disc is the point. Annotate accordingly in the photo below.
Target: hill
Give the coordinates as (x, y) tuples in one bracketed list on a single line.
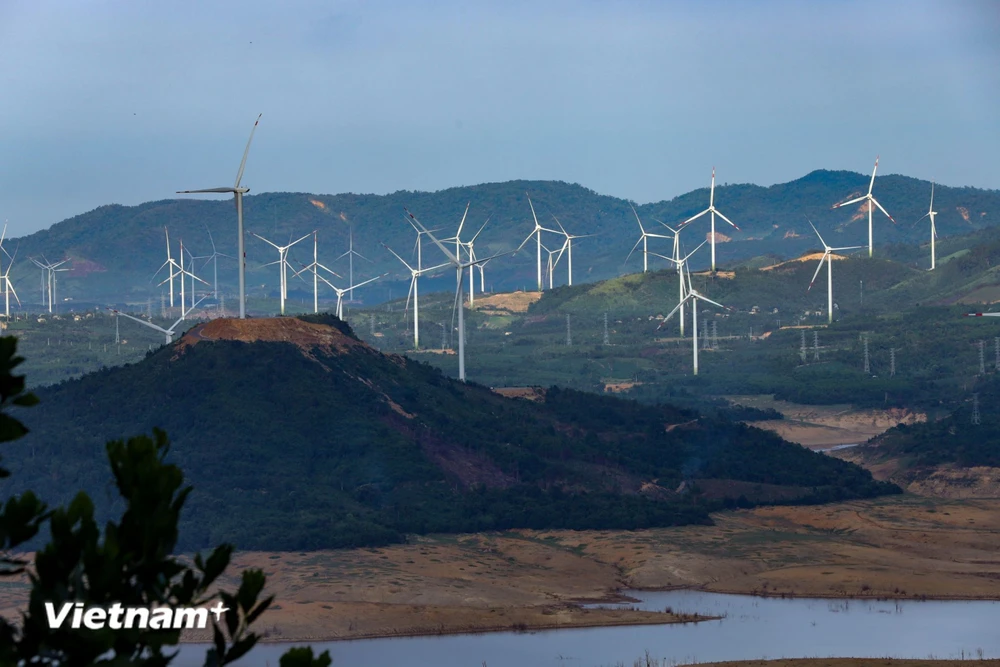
[(296, 435), (115, 249)]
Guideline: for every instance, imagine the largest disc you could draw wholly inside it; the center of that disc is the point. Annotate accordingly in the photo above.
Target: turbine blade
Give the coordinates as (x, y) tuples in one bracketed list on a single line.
[(447, 253), (818, 268), (872, 183), (246, 151), (852, 201), (210, 190), (397, 257), (695, 217), (729, 221), (875, 201), (825, 246)]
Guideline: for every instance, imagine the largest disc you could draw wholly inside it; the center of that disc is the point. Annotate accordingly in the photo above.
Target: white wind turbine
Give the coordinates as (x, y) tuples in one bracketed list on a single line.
[(238, 192), (694, 296), (283, 264), (552, 265), (680, 263), (341, 292), (871, 202), (568, 245), (49, 272), (173, 266), (169, 333), (643, 239), (537, 233), (456, 261), (351, 252), (8, 288), (214, 259), (931, 213), (181, 272), (714, 212), (414, 291), (828, 256), (314, 267), (470, 248)]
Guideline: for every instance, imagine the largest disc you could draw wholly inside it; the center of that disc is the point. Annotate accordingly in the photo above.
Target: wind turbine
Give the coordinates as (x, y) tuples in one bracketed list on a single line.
[(871, 200), (214, 259), (552, 265), (341, 292), (537, 233), (643, 240), (828, 256), (238, 192), (50, 269), (173, 265), (456, 261), (169, 333), (714, 212), (569, 245), (414, 292), (680, 263), (930, 214), (350, 256), (694, 296), (471, 249), (314, 267), (282, 263), (8, 288)]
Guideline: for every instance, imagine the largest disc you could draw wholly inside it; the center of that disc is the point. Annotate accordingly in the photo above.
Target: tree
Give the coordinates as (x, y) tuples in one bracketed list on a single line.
[(131, 562)]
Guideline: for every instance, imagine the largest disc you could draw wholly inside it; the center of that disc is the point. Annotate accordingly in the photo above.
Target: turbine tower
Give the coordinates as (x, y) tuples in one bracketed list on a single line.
[(283, 264), (643, 240), (314, 267), (713, 212), (456, 261), (694, 297), (871, 201), (414, 291), (214, 259), (828, 256), (680, 263), (238, 191), (931, 213)]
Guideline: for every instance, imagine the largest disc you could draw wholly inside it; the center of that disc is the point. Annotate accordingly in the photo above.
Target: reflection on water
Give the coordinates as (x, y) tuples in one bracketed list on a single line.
[(750, 628)]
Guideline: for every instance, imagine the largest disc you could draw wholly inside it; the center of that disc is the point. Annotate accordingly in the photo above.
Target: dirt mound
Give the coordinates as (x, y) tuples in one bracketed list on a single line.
[(512, 302), (305, 335), (530, 393), (804, 258)]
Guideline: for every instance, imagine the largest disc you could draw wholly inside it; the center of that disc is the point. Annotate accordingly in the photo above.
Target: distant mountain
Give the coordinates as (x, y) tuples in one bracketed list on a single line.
[(115, 249), (296, 435)]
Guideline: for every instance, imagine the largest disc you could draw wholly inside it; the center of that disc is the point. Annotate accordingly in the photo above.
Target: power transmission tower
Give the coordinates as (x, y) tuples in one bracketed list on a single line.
[(868, 368), (715, 335), (704, 338), (569, 336), (607, 340), (892, 361), (444, 342), (975, 409), (802, 346), (815, 345), (982, 360)]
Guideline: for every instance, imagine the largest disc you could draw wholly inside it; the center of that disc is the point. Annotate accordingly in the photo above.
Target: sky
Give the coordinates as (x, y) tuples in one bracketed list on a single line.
[(124, 102)]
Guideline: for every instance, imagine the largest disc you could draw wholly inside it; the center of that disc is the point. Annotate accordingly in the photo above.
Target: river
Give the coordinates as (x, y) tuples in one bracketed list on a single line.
[(751, 628)]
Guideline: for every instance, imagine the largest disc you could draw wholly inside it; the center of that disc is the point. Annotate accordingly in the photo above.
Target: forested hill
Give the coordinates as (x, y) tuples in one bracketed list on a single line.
[(115, 249), (296, 435)]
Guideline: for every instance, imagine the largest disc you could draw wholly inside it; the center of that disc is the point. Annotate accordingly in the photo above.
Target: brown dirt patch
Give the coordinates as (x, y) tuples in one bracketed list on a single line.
[(511, 302), (305, 335), (811, 257), (530, 393)]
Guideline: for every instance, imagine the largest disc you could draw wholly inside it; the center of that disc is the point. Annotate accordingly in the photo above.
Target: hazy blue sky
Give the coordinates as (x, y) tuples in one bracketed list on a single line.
[(123, 101)]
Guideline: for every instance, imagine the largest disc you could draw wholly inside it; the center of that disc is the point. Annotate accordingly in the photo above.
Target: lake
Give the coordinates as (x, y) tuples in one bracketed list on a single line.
[(752, 628)]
